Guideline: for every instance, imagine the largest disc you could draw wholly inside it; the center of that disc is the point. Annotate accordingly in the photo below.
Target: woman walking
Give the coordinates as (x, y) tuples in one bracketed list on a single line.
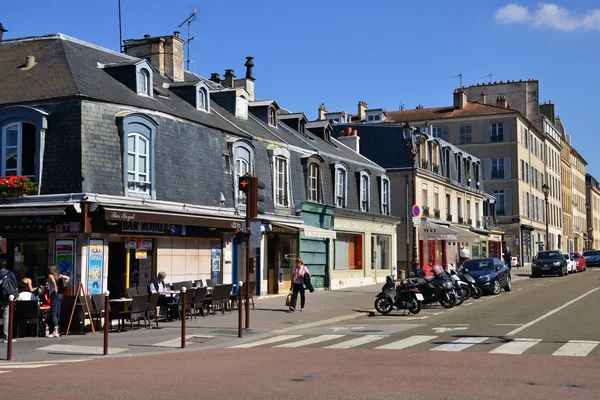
[(54, 287), (298, 284)]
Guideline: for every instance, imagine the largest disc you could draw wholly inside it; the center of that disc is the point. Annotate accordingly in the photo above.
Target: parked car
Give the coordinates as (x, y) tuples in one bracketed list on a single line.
[(571, 263), (549, 262), (580, 261), (491, 274), (514, 262), (592, 258)]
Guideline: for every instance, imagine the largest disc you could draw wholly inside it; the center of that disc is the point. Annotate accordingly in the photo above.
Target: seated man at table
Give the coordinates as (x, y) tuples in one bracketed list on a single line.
[(157, 285)]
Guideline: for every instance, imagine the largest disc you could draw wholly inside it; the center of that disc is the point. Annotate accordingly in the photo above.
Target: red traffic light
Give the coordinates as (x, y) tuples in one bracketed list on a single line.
[(244, 184)]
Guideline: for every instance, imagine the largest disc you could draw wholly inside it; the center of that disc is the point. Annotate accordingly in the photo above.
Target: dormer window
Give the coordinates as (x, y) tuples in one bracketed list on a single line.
[(341, 186), (302, 126), (202, 100), (272, 116), (385, 195), (144, 86), (364, 192)]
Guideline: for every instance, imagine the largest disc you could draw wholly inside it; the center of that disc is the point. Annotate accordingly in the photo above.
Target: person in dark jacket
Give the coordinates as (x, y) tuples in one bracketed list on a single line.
[(5, 273), (507, 257), (298, 274)]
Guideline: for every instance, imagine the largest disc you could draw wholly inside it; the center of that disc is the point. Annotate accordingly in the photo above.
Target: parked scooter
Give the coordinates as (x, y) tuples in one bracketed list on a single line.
[(461, 288), (463, 274), (404, 296), (438, 289)]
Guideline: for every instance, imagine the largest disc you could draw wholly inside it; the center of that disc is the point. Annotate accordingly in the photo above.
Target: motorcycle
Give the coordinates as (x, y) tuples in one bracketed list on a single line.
[(404, 296), (439, 289), (461, 288), (463, 274)]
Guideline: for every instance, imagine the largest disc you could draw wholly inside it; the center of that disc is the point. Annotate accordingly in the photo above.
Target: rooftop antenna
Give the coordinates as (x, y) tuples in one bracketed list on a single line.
[(486, 76), (401, 106), (120, 30), (460, 77), (189, 21)]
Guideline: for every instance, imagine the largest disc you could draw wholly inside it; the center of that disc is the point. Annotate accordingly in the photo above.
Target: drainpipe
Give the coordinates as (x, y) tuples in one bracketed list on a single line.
[(407, 228)]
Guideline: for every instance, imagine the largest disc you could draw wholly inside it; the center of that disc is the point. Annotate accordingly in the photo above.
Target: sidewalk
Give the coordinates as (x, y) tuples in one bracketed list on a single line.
[(518, 274), (269, 315)]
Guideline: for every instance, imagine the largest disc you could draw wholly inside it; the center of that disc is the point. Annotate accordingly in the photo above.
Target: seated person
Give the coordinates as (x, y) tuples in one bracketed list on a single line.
[(26, 289), (157, 285)]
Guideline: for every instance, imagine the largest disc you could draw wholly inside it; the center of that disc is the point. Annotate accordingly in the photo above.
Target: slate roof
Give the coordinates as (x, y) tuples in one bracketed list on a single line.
[(68, 67), (472, 109)]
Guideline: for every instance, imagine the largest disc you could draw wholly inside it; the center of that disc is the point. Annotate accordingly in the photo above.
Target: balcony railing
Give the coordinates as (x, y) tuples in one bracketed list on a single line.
[(449, 217), (436, 214), (426, 211), (461, 220), (469, 221), (478, 224), (424, 164), (435, 168)]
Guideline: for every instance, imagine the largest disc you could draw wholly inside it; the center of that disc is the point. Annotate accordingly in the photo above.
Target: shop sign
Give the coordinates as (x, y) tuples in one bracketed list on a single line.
[(95, 265), (178, 230), (121, 216), (130, 244), (64, 256), (495, 238), (145, 244), (215, 258), (141, 254), (48, 224), (143, 227)]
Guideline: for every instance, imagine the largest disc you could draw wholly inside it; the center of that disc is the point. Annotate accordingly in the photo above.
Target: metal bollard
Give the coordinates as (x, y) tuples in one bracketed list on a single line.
[(106, 321), (11, 312), (183, 316), (239, 309)]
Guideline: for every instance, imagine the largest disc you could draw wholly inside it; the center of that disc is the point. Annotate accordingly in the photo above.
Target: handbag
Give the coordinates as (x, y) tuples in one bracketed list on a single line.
[(288, 300)]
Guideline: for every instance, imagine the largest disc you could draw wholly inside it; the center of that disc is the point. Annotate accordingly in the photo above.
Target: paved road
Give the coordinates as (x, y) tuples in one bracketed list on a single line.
[(539, 341)]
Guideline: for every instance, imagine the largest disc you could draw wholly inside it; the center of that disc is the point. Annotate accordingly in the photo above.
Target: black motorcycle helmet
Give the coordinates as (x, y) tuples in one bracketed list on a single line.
[(389, 279), (421, 273)]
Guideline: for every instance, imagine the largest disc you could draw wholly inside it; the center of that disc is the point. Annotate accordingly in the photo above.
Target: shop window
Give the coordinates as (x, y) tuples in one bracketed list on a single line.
[(381, 251), (348, 252)]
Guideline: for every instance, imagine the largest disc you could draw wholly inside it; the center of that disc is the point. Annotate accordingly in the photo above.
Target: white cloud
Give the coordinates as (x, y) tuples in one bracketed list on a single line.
[(512, 13), (549, 15)]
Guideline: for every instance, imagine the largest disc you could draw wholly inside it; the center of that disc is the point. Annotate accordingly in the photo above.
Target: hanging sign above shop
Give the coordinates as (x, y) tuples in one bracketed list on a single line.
[(141, 254)]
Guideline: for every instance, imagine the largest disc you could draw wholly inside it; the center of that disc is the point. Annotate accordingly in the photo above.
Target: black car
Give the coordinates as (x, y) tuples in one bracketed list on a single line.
[(549, 262), (491, 274), (592, 258)]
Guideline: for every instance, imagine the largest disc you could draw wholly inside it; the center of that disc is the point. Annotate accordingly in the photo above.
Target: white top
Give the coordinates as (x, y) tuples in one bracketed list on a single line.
[(161, 287), (25, 296)]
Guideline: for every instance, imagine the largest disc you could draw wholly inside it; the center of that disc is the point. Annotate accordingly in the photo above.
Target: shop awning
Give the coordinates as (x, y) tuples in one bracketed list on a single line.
[(134, 215), (466, 235), (432, 231), (32, 211), (309, 231)]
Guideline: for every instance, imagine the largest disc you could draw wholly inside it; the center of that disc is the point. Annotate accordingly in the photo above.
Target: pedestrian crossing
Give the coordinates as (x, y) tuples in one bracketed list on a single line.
[(492, 345), (8, 367)]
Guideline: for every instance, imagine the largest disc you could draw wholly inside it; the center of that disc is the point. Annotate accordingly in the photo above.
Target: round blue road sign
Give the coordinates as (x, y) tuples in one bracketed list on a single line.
[(416, 210)]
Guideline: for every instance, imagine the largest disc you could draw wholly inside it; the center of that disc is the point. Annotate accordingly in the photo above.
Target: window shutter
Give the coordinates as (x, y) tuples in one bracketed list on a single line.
[(506, 127), (486, 128), (487, 168), (508, 201), (445, 134), (507, 168)]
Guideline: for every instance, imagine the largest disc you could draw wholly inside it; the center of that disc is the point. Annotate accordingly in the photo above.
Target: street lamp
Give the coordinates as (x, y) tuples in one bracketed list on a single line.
[(546, 190), (413, 138), (590, 230)]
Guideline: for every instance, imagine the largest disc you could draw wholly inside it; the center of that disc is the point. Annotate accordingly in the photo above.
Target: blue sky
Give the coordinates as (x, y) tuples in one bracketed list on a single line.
[(385, 53)]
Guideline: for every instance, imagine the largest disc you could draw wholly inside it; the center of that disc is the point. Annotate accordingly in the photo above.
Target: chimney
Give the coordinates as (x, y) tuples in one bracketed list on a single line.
[(501, 101), (165, 53), (483, 97), (460, 99), (547, 110), (362, 108), (29, 63), (215, 77), (351, 140), (247, 82), (229, 80), (322, 111)]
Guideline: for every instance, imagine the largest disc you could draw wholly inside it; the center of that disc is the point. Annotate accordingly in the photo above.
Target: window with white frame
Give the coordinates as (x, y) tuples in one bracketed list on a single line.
[(19, 149), (466, 133), (272, 116), (500, 206), (143, 86), (364, 192), (138, 154), (202, 103), (314, 182), (341, 186), (497, 168), (497, 132), (243, 156), (281, 181), (437, 132), (385, 196)]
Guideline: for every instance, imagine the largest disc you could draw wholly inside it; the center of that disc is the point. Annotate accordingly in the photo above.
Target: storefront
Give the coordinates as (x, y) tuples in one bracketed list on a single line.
[(363, 250), (281, 251), (435, 241), (315, 244), (495, 245), (468, 240)]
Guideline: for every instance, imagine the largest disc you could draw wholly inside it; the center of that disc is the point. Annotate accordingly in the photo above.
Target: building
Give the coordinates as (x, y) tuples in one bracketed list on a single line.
[(580, 224), (137, 162), (567, 189), (449, 191), (593, 212)]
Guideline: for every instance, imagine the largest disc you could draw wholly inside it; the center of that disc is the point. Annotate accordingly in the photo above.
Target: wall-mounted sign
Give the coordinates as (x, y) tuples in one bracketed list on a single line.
[(95, 265), (64, 257), (215, 256), (130, 244), (143, 227), (141, 254)]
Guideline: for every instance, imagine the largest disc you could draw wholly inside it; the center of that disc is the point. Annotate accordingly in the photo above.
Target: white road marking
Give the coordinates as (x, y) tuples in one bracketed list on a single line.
[(516, 346), (274, 339), (449, 329), (577, 348), (438, 313), (535, 321), (311, 341), (4, 372), (508, 324), (461, 344), (25, 366), (173, 342), (455, 324), (408, 342), (75, 349), (348, 344)]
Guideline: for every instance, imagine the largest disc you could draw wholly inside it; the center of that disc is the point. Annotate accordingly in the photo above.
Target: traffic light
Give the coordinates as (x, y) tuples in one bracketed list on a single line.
[(244, 183), (260, 196), (256, 198)]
